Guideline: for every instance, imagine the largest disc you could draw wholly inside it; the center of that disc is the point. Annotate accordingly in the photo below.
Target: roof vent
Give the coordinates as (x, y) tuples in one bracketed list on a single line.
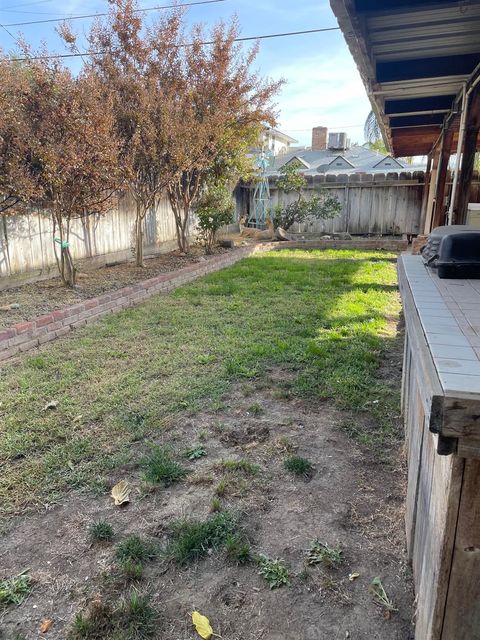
[(338, 141)]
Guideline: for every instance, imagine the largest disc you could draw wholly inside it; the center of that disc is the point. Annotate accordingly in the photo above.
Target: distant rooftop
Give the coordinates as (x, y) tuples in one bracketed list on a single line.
[(356, 159)]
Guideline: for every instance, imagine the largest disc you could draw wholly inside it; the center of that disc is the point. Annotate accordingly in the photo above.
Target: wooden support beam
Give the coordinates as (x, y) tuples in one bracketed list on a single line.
[(426, 191), (468, 158), (440, 209)]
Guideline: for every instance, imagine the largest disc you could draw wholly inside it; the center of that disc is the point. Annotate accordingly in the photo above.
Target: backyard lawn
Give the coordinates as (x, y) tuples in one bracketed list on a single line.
[(254, 414)]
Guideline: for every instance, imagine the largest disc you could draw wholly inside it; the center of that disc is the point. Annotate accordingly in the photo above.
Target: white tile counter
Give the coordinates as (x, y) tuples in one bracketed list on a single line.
[(449, 312)]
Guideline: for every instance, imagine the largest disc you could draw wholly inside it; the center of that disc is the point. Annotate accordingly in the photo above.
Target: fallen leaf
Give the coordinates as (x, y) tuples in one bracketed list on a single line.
[(53, 404), (121, 492), (202, 625), (45, 626), (70, 465), (353, 576), (77, 418)]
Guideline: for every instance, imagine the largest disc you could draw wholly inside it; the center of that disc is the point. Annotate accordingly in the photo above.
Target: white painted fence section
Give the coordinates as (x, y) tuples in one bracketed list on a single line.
[(26, 241)]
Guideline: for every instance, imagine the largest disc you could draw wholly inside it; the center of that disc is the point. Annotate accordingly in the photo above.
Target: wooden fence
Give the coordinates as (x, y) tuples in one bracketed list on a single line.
[(383, 204), (27, 249)]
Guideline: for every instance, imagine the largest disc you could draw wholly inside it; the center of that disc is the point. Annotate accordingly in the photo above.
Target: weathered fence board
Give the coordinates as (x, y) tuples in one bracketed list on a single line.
[(443, 447), (26, 241), (383, 204)]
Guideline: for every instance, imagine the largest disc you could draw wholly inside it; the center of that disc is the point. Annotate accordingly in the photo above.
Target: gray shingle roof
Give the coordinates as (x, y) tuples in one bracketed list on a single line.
[(362, 159)]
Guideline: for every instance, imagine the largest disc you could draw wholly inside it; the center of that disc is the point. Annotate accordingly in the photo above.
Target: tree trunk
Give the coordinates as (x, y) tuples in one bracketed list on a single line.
[(184, 228), (181, 223), (66, 267), (69, 272), (139, 261)]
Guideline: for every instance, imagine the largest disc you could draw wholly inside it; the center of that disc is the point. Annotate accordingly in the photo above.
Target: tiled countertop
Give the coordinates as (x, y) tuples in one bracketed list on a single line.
[(449, 311)]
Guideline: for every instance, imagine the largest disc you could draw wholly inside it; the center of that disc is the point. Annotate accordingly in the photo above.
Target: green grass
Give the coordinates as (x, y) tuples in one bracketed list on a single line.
[(327, 316), (239, 466), (15, 590), (192, 539), (134, 549), (101, 531), (274, 571), (134, 618), (237, 549), (299, 466), (159, 467)]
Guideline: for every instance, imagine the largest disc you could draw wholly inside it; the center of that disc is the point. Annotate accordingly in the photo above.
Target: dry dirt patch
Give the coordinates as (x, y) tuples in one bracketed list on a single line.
[(350, 501), (38, 298)]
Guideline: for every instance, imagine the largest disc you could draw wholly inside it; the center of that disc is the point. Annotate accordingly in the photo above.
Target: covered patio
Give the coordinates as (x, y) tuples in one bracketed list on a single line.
[(420, 63)]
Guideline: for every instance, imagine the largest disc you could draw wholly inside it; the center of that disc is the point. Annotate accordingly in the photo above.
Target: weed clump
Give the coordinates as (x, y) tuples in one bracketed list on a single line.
[(134, 618), (159, 467), (15, 590), (192, 539), (274, 571), (101, 531), (322, 553), (195, 452), (299, 466)]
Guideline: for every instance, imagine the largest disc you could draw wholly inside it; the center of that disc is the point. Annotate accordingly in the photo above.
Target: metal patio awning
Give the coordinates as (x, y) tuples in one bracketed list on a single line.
[(415, 58)]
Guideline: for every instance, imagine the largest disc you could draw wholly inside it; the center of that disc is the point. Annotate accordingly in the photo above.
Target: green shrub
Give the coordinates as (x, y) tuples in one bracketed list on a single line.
[(214, 210)]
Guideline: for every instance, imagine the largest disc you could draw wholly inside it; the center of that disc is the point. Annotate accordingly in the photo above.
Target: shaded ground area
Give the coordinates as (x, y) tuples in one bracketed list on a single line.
[(38, 298), (291, 354)]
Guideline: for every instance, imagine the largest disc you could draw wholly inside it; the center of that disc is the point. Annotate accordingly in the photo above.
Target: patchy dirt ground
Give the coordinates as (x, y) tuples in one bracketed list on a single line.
[(352, 500), (38, 298)]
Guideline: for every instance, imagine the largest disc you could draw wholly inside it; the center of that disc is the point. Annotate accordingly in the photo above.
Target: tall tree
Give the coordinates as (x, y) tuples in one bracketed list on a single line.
[(139, 67), (72, 150), (17, 184), (223, 105)]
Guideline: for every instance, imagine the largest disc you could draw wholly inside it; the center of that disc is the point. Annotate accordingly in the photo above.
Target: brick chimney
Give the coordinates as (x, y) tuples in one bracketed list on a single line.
[(319, 138)]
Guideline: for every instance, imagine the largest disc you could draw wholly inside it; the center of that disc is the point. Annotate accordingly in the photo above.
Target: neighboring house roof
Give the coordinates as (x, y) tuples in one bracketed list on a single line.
[(357, 159), (297, 158), (280, 135)]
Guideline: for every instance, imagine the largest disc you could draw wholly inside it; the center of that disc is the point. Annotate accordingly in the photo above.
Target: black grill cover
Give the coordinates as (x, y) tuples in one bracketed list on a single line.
[(454, 251)]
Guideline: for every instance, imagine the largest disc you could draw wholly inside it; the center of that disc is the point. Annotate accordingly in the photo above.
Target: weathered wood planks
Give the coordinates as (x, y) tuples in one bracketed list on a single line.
[(443, 495)]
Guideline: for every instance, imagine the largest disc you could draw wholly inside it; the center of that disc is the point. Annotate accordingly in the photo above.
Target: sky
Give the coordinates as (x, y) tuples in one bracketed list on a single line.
[(323, 86)]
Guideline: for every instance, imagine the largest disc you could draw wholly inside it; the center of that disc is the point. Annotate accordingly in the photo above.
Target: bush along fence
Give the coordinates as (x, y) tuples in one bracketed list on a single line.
[(28, 335)]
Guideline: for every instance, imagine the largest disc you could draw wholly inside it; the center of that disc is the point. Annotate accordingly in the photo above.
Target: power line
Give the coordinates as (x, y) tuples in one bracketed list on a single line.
[(11, 34), (189, 44), (96, 15)]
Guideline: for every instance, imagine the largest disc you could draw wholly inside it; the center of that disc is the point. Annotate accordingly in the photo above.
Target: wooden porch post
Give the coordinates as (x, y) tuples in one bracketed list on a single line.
[(439, 211), (468, 159), (432, 191), (426, 192)]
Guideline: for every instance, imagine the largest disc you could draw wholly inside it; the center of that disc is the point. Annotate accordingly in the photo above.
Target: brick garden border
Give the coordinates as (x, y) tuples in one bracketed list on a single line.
[(28, 335)]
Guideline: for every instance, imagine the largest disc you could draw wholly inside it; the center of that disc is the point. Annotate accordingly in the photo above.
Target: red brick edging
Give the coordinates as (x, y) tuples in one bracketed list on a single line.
[(28, 335)]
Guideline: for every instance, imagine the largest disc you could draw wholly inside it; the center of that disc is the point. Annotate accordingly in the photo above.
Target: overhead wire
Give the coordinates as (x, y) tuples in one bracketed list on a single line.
[(96, 15), (189, 44)]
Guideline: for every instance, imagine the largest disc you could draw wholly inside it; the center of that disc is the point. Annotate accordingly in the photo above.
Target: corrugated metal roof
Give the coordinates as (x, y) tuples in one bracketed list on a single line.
[(421, 51)]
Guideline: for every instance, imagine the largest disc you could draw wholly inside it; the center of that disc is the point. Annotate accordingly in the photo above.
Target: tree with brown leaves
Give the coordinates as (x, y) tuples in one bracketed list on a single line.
[(17, 184), (72, 150), (222, 108), (139, 69)]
